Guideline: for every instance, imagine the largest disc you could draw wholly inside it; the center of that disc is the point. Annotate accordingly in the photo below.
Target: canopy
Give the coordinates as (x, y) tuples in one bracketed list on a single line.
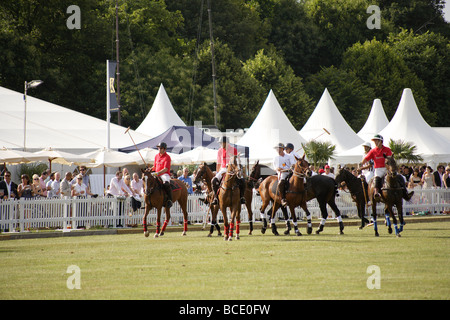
[(326, 115), (62, 157), (61, 128), (161, 116), (269, 128), (181, 139), (16, 156), (109, 158)]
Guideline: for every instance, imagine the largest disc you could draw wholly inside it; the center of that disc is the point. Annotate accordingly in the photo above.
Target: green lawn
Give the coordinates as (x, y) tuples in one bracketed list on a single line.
[(325, 266)]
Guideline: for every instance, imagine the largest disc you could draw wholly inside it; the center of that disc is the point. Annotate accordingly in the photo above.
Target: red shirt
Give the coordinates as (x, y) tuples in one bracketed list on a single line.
[(223, 156), (376, 154), (161, 162)]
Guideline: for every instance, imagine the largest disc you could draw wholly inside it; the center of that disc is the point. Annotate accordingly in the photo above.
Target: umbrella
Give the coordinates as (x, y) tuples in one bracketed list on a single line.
[(199, 154), (147, 153), (108, 158), (62, 157), (16, 156)]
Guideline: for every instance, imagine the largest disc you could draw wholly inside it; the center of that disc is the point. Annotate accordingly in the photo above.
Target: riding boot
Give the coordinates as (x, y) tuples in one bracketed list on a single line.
[(168, 190), (406, 195), (241, 184), (282, 191), (377, 195), (215, 186)]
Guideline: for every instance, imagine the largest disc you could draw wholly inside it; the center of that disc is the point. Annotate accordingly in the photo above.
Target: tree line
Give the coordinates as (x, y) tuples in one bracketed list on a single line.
[(297, 48)]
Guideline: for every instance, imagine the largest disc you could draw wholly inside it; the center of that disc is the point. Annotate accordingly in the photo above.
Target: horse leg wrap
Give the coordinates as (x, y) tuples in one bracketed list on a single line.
[(164, 225), (211, 228), (238, 227), (158, 227), (217, 226), (225, 230), (231, 229), (388, 220), (144, 222), (396, 229), (185, 224)]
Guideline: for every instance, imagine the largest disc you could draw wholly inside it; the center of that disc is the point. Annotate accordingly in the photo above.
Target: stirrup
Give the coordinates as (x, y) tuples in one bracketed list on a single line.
[(169, 203), (377, 196), (243, 200), (283, 202)]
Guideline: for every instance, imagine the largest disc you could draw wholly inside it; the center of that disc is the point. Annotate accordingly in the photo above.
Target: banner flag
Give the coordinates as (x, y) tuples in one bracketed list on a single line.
[(113, 105)]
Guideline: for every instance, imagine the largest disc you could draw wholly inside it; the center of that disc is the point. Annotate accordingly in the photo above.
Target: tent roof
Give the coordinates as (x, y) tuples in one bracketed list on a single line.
[(161, 116), (269, 128), (50, 125), (326, 115), (376, 121), (181, 139), (408, 125)]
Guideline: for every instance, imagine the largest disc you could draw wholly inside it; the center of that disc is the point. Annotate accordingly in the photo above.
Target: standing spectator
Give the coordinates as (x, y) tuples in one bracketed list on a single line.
[(438, 176), (86, 180), (137, 186), (328, 172), (42, 183), (446, 178), (9, 187), (80, 189), (65, 187), (56, 185), (117, 187), (428, 179), (48, 185), (187, 180)]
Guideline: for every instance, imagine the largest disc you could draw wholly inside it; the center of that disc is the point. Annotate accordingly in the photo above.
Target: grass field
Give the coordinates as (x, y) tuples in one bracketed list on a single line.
[(325, 266)]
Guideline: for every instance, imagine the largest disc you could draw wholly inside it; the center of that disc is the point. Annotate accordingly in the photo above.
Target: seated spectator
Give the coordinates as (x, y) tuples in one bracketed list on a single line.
[(25, 189)]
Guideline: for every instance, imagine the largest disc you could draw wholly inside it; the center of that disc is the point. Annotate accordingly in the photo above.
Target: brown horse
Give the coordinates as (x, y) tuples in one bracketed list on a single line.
[(204, 173), (229, 198), (155, 198), (295, 196), (391, 195)]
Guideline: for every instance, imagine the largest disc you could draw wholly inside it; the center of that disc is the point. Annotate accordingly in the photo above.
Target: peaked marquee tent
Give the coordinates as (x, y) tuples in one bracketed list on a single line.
[(269, 128), (161, 116), (326, 115), (408, 125), (376, 121)]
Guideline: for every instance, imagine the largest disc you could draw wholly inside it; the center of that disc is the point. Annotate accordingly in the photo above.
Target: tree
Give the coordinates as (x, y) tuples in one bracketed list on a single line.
[(319, 152), (271, 72), (404, 151), (428, 56), (380, 68)]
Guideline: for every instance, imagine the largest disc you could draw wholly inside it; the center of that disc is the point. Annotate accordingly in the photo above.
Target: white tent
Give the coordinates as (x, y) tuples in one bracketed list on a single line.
[(109, 158), (51, 125), (161, 116), (326, 115), (270, 127), (408, 125), (376, 121)]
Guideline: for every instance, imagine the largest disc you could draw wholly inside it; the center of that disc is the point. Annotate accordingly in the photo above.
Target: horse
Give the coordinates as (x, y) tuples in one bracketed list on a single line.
[(205, 173), (391, 195), (155, 198), (229, 197), (295, 196), (324, 189), (358, 189)]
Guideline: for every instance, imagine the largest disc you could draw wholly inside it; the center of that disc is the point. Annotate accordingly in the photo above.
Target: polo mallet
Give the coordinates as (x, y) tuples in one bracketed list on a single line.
[(325, 131), (128, 131)]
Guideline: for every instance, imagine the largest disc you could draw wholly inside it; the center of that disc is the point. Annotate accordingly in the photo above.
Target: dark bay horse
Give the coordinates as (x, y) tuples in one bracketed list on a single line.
[(295, 196), (358, 189), (229, 197), (391, 195), (155, 198)]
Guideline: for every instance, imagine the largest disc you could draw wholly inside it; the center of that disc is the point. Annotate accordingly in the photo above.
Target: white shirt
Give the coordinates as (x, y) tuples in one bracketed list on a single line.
[(283, 162), (137, 186), (116, 185), (55, 188), (78, 188)]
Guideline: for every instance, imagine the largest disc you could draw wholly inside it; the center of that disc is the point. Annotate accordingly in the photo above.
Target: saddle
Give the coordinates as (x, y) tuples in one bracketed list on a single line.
[(173, 185)]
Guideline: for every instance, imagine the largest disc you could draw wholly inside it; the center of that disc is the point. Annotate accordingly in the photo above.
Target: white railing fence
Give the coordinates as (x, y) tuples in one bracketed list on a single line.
[(24, 214)]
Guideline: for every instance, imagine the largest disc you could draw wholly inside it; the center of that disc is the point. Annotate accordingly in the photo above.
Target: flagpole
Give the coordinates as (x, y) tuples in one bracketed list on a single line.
[(108, 106)]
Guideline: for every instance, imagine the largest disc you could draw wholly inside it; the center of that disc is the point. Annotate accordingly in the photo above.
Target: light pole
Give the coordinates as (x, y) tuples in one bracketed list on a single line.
[(28, 85)]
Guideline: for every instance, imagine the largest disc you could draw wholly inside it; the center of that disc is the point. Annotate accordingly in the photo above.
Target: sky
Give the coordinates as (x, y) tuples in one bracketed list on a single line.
[(447, 11)]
